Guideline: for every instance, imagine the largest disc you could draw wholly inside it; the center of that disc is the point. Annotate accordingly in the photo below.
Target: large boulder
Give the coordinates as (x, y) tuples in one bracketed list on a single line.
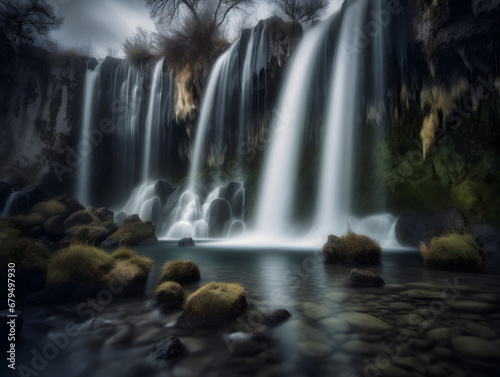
[(410, 230), (214, 304), (78, 219), (70, 203), (351, 248), (167, 350), (180, 272), (135, 233)]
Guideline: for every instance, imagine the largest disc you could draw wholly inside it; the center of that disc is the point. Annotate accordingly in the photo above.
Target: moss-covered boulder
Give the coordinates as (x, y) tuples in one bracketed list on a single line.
[(30, 256), (136, 233), (169, 295), (453, 251), (38, 214), (179, 271), (131, 274), (214, 303), (82, 264), (352, 248)]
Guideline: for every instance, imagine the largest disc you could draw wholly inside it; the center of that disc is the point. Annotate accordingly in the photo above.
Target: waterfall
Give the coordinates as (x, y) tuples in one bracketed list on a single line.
[(278, 179), (353, 58), (88, 121), (224, 123), (153, 119)]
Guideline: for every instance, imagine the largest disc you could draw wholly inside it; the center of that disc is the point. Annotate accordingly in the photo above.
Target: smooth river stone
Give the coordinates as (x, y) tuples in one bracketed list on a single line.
[(394, 371), (410, 362), (335, 325), (337, 297), (475, 348), (314, 349), (442, 334), (361, 347), (401, 306), (315, 311), (365, 322), (421, 294), (482, 331), (472, 306)]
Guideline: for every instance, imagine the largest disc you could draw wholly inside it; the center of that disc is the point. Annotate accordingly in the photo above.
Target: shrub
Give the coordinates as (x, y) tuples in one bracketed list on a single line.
[(215, 303), (139, 47), (352, 248), (135, 233), (170, 292), (123, 253), (25, 252), (453, 251), (180, 272), (79, 263)]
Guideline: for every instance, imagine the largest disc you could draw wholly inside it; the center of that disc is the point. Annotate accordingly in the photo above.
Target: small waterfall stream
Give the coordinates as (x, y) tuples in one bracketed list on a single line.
[(90, 99)]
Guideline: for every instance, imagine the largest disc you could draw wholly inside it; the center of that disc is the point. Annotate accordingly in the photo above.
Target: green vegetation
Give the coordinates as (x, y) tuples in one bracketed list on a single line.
[(453, 251), (180, 272), (25, 252), (131, 273), (123, 253), (215, 303), (170, 292), (352, 248), (80, 263), (135, 233), (40, 213)]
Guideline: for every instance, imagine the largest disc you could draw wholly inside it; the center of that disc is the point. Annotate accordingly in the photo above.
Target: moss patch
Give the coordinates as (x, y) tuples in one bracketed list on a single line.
[(123, 253), (135, 233), (80, 263), (453, 251), (180, 272), (170, 293), (215, 303), (131, 273), (25, 252), (352, 248)]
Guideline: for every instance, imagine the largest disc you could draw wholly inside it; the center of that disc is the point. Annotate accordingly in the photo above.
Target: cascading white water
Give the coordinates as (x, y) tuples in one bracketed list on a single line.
[(336, 163), (90, 99), (280, 170), (152, 120)]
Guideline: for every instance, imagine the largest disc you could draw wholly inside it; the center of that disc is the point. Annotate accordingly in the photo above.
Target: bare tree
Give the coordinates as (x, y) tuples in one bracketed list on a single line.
[(140, 46), (27, 20), (302, 10), (166, 11)]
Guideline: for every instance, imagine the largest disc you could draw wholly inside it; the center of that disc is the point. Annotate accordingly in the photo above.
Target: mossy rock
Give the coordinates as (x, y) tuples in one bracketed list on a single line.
[(78, 219), (131, 274), (215, 303), (453, 251), (27, 253), (352, 248), (123, 253), (82, 264), (137, 233), (170, 293), (180, 272), (86, 234)]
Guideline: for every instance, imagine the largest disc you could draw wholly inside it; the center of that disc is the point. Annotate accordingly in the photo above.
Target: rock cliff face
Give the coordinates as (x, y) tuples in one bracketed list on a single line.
[(441, 147), (40, 100)]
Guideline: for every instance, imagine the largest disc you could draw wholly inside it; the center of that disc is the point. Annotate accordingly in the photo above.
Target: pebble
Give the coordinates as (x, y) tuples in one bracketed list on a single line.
[(475, 348), (442, 352), (335, 325), (401, 306), (338, 297), (442, 334), (472, 306), (314, 349), (394, 371), (315, 311), (482, 331), (361, 347), (421, 294), (341, 358), (365, 322), (410, 362)]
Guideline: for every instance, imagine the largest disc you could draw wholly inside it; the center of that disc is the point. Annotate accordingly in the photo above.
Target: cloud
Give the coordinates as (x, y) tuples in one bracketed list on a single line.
[(102, 22)]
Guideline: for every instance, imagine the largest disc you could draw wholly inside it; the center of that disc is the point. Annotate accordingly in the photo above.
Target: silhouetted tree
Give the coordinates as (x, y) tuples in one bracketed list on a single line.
[(166, 11), (302, 10), (27, 20)]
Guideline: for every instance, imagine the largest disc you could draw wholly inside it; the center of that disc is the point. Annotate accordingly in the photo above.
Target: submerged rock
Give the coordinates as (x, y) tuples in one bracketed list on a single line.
[(351, 248), (168, 349), (186, 241), (364, 278), (276, 317)]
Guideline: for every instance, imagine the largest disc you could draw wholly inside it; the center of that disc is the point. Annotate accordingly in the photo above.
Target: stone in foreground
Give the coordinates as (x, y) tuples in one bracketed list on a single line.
[(167, 350), (364, 278)]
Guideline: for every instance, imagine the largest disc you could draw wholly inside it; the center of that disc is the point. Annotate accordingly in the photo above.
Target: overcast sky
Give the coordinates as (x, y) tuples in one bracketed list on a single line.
[(106, 23)]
